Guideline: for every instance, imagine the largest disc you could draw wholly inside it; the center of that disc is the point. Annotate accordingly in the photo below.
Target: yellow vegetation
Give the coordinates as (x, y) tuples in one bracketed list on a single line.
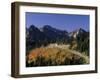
[(55, 55)]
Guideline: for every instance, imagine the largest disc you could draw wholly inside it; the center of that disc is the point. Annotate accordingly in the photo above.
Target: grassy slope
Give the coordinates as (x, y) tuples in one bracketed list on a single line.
[(55, 55)]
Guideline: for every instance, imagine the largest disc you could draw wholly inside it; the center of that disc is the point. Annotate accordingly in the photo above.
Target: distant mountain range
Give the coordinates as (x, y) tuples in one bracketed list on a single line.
[(48, 32), (36, 37)]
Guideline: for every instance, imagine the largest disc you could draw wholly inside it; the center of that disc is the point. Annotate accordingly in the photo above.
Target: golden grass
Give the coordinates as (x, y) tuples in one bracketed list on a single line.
[(56, 55)]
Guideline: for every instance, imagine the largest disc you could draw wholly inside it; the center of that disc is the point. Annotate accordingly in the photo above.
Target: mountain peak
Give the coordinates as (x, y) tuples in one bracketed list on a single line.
[(45, 27), (32, 28), (80, 30), (77, 32), (48, 27)]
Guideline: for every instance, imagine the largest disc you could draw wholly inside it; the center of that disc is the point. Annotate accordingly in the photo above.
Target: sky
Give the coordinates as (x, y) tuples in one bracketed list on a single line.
[(68, 22)]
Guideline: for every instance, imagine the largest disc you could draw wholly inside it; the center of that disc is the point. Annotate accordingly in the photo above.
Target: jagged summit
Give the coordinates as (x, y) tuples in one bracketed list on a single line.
[(77, 32), (48, 27), (32, 27), (81, 30)]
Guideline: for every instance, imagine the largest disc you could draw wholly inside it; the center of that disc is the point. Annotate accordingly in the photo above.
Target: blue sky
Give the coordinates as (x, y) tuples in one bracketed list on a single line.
[(67, 22)]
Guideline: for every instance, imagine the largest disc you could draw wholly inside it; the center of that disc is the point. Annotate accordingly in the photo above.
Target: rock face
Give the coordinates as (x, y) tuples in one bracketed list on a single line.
[(77, 33)]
